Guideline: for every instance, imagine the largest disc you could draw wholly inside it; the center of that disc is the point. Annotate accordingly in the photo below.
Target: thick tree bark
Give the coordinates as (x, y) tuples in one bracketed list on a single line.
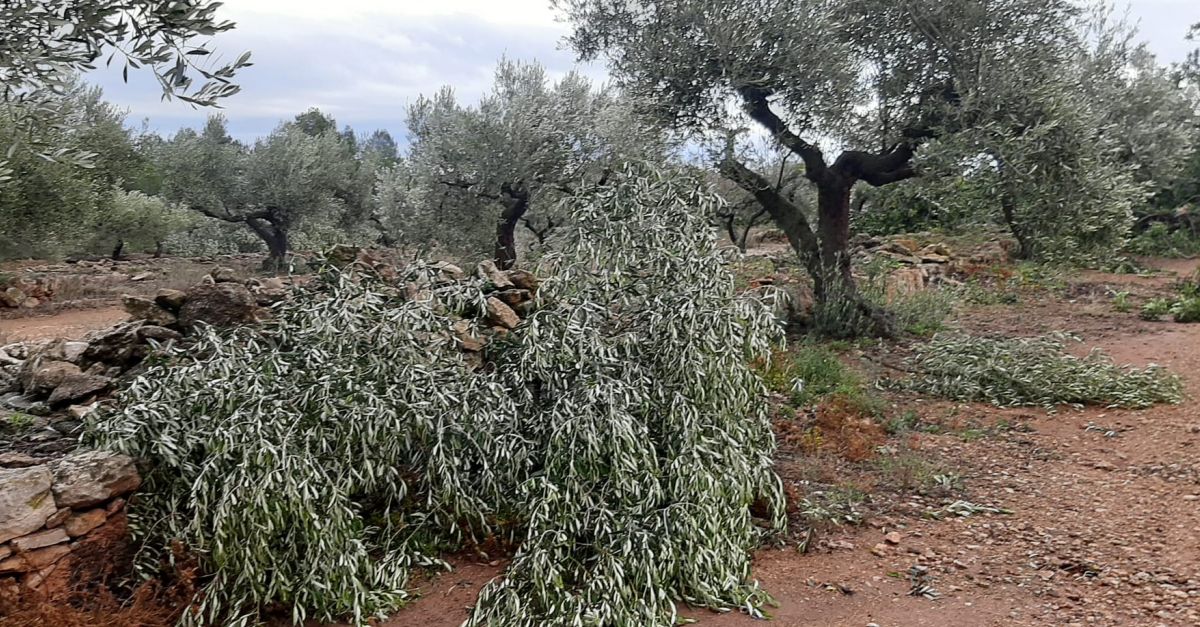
[(158, 249), (833, 228), (515, 199), (276, 238)]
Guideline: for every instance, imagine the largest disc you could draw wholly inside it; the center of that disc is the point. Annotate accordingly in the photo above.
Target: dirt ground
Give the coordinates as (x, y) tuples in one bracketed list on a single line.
[(1104, 526), (71, 324)]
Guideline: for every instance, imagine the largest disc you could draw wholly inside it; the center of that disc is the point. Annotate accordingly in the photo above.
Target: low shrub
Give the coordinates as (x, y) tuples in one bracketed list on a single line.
[(921, 312), (811, 372), (1160, 240), (616, 437), (924, 312), (1155, 308), (1035, 371), (1184, 307), (1186, 310)]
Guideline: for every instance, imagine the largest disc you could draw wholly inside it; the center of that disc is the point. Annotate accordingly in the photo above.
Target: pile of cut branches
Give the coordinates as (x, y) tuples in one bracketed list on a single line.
[(1011, 372), (617, 437)]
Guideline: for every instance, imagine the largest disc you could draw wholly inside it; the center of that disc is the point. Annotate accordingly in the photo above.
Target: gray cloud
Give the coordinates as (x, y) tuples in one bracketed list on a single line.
[(367, 62), (363, 73)]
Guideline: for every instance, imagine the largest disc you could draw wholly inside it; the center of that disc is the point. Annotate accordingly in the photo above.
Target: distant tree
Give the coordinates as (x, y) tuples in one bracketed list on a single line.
[(138, 222), (314, 122), (46, 42), (382, 145), (875, 78), (524, 145), (48, 203), (272, 187)]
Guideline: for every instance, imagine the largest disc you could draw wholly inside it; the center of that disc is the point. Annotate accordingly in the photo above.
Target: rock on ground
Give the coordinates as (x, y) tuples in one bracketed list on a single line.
[(25, 501), (92, 477), (220, 305)]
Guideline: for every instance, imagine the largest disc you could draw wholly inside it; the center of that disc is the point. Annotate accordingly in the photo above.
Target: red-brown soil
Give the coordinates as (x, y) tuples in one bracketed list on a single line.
[(71, 324)]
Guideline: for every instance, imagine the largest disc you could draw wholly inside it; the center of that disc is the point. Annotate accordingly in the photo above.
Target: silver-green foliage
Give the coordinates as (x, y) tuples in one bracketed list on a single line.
[(652, 427), (618, 435), (46, 42), (1011, 372)]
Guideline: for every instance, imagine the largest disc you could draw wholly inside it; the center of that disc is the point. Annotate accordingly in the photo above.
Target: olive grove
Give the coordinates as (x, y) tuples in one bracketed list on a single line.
[(997, 84)]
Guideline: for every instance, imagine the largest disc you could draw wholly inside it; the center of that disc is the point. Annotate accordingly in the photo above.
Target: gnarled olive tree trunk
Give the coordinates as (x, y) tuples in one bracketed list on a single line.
[(825, 252), (515, 200)]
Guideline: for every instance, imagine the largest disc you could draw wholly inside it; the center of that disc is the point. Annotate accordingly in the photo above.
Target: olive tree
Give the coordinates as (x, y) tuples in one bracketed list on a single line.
[(271, 187), (1186, 190), (506, 161), (1152, 116), (136, 221), (48, 204), (869, 81), (46, 42)]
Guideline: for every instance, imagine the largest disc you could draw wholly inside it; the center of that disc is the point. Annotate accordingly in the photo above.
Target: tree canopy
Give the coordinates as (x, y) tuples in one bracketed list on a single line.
[(293, 175), (505, 161), (870, 81)]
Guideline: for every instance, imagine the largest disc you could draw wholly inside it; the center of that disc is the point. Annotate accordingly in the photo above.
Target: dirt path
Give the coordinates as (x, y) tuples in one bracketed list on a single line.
[(70, 324), (1104, 526)]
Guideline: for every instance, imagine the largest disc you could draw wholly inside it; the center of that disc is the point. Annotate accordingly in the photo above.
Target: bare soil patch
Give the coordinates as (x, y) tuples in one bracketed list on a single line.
[(70, 324)]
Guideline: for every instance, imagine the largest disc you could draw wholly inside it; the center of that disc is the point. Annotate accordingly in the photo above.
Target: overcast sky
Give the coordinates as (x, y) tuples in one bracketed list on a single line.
[(364, 61)]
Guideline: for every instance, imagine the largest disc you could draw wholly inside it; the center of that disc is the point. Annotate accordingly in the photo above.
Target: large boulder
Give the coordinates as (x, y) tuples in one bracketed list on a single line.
[(86, 479), (119, 346), (219, 305), (25, 501)]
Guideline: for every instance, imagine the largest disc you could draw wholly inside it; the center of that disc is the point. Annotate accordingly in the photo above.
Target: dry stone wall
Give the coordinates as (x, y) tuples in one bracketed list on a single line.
[(50, 513)]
